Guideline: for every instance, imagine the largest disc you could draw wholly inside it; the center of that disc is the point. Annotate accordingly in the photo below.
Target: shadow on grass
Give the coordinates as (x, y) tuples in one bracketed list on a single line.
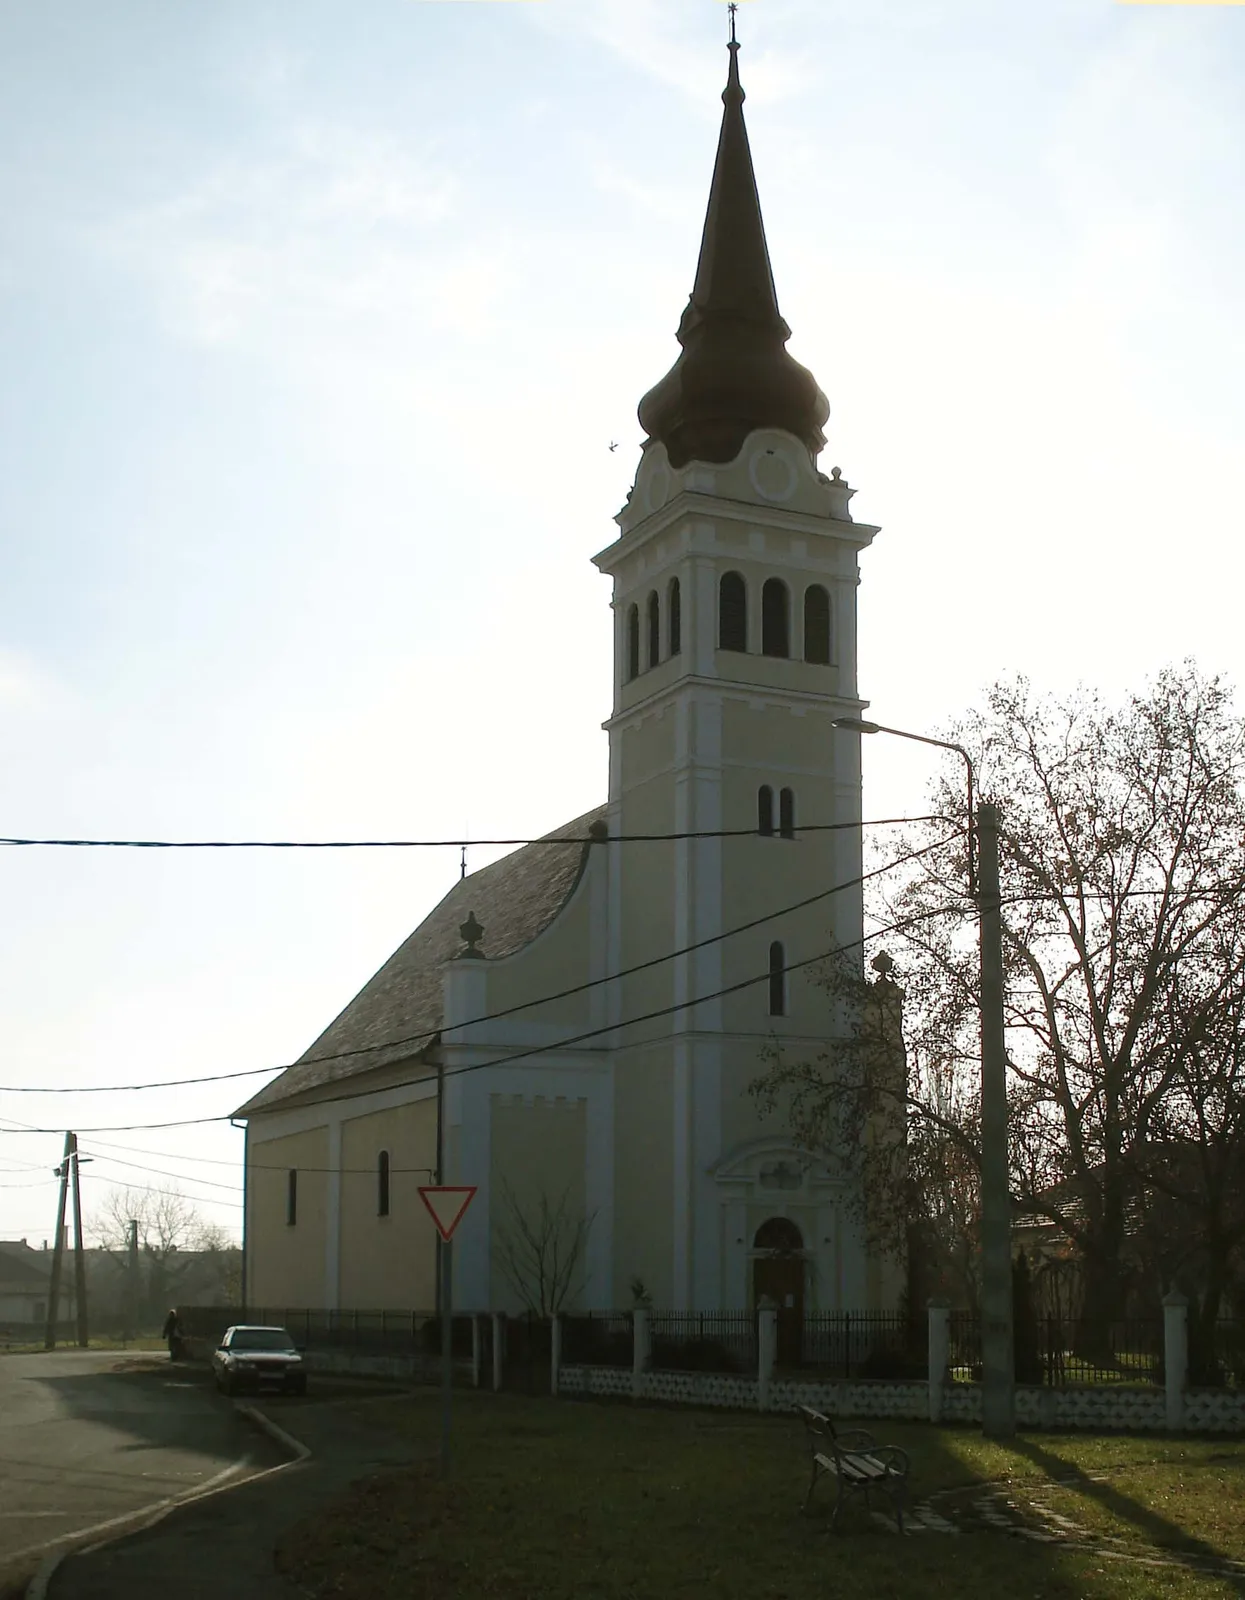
[(1166, 1537)]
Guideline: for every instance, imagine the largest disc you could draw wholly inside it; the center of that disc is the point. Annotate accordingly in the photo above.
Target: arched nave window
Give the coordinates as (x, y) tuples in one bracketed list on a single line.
[(633, 643), (382, 1184), (674, 617), (777, 981), (765, 810)]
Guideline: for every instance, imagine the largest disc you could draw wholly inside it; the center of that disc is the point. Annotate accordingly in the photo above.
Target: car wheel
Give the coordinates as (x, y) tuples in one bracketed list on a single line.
[(226, 1384)]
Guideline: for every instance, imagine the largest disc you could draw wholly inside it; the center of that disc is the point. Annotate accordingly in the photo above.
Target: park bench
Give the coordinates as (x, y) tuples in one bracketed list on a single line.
[(856, 1462)]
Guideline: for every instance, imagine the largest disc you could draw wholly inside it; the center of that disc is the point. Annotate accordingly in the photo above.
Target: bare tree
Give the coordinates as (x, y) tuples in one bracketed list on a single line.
[(171, 1234), (541, 1254), (1123, 864)]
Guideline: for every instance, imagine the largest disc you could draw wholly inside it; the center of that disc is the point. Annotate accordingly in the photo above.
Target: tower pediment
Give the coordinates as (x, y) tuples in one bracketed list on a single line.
[(771, 471)]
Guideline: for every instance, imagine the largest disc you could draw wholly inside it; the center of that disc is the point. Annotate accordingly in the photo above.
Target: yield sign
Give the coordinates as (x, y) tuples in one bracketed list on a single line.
[(446, 1204)]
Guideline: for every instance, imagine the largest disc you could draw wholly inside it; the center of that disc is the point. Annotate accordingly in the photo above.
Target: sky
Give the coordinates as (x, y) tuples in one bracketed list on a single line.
[(316, 326)]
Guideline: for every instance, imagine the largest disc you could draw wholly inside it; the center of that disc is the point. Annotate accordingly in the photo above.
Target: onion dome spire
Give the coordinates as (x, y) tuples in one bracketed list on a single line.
[(734, 373)]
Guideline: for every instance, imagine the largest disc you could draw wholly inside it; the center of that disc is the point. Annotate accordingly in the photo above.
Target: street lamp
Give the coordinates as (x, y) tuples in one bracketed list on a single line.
[(998, 1357), (859, 725)]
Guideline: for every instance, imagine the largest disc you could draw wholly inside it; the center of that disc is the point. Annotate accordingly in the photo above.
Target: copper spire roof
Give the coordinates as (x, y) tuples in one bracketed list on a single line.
[(734, 373)]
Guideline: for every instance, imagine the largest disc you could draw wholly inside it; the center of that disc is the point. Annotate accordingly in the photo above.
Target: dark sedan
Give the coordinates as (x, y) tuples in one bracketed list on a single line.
[(256, 1358)]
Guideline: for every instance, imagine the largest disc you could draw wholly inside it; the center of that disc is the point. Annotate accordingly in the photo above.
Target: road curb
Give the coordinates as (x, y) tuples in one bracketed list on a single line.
[(298, 1450), (140, 1521)]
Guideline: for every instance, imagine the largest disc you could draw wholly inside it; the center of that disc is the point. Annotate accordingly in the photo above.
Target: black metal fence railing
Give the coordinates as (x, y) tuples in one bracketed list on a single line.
[(964, 1347), (835, 1345), (865, 1344), (1064, 1350), (598, 1339), (703, 1341), (527, 1353), (1218, 1361), (1077, 1351)]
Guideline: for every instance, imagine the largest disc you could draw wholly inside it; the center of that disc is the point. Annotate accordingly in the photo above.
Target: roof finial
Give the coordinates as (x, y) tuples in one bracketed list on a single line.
[(732, 8)]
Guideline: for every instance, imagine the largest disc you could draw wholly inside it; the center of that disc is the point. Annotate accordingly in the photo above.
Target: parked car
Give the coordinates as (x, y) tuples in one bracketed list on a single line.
[(253, 1358)]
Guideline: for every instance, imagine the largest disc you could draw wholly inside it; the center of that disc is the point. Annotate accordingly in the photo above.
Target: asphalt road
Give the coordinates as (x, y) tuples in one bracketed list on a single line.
[(88, 1436)]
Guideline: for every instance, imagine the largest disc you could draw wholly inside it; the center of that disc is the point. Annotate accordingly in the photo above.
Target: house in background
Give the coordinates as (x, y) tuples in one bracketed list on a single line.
[(25, 1276), (598, 1002)]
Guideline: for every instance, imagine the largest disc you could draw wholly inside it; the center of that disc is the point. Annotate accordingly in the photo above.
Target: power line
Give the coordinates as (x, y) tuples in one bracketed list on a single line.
[(448, 844), (492, 1016), (160, 1172), (358, 1093)]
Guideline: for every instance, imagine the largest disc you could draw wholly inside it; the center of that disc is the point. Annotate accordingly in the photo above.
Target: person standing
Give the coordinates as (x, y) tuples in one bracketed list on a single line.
[(173, 1333)]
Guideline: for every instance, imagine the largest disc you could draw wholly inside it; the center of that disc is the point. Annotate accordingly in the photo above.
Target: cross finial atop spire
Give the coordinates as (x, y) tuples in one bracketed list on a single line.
[(732, 8)]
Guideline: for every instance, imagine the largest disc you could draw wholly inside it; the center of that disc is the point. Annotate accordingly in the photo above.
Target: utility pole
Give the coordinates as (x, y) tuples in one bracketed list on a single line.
[(998, 1358), (79, 1260), (132, 1285), (58, 1248)]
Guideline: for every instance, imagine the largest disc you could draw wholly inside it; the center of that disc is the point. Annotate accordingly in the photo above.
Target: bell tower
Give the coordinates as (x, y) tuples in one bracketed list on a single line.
[(734, 599)]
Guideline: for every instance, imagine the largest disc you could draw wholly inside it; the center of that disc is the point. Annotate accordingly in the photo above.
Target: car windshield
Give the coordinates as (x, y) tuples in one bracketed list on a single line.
[(261, 1339)]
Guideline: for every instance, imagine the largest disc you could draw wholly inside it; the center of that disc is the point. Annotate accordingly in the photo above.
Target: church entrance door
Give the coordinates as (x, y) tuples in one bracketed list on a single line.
[(779, 1273)]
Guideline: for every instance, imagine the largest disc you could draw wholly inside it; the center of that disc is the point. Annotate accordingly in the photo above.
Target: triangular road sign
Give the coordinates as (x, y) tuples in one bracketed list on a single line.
[(446, 1204)]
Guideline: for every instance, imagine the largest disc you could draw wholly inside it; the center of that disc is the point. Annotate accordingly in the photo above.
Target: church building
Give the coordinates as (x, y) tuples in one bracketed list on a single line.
[(595, 1005)]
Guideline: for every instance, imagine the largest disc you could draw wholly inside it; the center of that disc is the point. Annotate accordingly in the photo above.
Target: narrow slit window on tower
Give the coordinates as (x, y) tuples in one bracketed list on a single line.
[(382, 1184), (777, 981), (732, 612), (633, 643), (817, 625), (765, 810), (775, 619), (786, 813), (291, 1197), (654, 629), (674, 617)]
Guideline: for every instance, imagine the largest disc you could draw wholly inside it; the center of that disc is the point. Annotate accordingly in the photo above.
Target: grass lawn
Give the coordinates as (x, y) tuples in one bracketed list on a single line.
[(571, 1498)]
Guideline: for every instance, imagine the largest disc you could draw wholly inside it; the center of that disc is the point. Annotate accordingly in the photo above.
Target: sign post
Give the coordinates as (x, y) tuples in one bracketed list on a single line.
[(446, 1205)]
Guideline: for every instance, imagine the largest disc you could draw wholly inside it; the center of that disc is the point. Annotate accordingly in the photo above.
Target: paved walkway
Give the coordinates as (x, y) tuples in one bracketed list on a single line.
[(1021, 1511), (221, 1548)]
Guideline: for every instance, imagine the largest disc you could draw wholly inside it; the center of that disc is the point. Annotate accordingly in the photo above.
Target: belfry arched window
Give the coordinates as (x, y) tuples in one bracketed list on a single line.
[(777, 981), (382, 1184), (765, 810), (786, 813), (775, 619), (732, 612), (654, 629), (674, 619), (633, 643), (817, 625)]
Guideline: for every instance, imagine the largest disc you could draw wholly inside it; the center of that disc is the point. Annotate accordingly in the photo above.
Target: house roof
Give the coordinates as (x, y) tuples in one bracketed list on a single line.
[(398, 1013), (21, 1267)]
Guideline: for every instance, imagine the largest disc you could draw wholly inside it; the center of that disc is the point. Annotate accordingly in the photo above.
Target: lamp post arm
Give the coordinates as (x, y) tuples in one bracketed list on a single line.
[(854, 724)]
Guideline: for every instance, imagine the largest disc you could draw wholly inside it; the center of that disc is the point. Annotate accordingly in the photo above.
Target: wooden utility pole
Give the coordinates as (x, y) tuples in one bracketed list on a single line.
[(79, 1260), (998, 1387), (132, 1285), (58, 1248)]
